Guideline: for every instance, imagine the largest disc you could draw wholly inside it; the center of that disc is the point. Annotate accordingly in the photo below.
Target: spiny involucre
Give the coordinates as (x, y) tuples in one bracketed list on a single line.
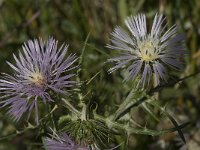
[(147, 53), (40, 68)]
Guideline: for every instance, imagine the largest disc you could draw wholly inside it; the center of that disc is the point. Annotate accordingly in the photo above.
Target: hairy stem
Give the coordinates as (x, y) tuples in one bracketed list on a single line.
[(71, 108), (84, 112)]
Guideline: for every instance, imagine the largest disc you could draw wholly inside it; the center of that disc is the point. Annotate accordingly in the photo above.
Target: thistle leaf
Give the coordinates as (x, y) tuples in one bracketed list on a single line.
[(149, 111), (151, 132), (177, 127)]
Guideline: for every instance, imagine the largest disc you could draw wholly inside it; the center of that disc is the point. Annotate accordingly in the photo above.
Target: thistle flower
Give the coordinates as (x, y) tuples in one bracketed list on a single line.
[(147, 53), (62, 142), (40, 68)]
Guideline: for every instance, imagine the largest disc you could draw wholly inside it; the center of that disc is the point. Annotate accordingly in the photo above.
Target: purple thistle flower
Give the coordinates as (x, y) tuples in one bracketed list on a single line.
[(40, 68), (62, 142), (147, 53)]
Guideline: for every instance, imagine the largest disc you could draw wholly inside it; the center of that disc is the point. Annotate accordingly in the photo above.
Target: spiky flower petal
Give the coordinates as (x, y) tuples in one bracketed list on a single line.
[(62, 142), (40, 68), (147, 53)]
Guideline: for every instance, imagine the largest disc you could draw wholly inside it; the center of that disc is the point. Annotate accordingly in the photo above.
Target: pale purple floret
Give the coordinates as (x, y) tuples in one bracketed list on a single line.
[(62, 142), (147, 53), (41, 67)]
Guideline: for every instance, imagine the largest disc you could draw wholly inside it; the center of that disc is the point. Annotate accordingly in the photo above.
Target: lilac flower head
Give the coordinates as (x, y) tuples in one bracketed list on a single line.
[(62, 142), (147, 53), (40, 68)]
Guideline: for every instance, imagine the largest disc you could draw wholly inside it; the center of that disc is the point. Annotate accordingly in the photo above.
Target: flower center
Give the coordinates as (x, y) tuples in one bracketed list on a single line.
[(37, 79), (148, 51)]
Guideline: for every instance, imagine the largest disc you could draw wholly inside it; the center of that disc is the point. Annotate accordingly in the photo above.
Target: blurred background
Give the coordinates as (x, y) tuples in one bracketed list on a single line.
[(70, 21)]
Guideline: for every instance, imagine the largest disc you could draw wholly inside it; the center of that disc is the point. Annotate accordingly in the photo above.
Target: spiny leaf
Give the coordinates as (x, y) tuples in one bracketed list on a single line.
[(171, 119), (130, 130), (83, 49), (133, 98), (176, 126), (149, 111), (155, 132)]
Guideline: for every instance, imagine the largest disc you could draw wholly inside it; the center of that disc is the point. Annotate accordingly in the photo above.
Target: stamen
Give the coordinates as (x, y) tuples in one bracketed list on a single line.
[(37, 78), (147, 50)]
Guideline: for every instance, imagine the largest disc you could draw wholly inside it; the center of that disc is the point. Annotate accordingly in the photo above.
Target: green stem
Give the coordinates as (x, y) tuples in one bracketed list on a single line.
[(156, 94), (51, 110), (72, 108), (84, 112)]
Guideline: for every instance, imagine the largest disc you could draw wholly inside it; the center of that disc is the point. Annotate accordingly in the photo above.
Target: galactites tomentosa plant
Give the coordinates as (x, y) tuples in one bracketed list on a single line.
[(147, 53), (42, 70), (147, 56)]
